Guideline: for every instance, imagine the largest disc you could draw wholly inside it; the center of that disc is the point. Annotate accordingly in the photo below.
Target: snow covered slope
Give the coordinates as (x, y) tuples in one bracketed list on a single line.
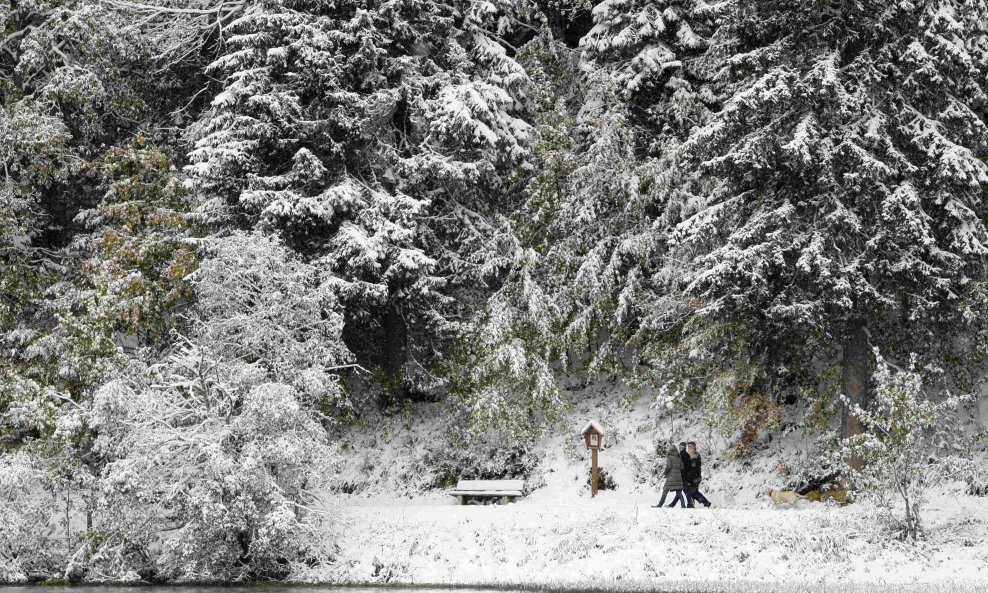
[(397, 529)]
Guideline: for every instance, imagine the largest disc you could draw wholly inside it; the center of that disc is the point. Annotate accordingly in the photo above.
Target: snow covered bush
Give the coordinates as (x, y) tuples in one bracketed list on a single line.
[(210, 463), (976, 487), (29, 542), (139, 250), (465, 455), (209, 457), (258, 302), (605, 481), (910, 444)]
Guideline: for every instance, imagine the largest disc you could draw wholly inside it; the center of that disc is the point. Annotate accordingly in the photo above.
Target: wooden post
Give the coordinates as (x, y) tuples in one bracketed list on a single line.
[(593, 436), (593, 480)]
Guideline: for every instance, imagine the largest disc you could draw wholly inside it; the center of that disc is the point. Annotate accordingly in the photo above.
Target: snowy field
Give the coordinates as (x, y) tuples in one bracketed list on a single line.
[(618, 541), (394, 531)]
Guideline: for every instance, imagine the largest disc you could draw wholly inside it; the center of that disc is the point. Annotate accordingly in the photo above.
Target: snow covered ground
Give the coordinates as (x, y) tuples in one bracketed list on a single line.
[(393, 531), (618, 541)]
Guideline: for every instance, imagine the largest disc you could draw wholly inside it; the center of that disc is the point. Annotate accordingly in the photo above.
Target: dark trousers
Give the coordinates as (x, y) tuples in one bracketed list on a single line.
[(693, 494), (680, 497)]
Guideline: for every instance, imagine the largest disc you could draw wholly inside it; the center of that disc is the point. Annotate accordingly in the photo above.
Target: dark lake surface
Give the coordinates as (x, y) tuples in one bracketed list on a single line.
[(252, 588)]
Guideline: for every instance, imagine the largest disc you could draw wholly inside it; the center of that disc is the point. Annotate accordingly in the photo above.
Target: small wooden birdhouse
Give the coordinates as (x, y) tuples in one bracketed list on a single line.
[(593, 435)]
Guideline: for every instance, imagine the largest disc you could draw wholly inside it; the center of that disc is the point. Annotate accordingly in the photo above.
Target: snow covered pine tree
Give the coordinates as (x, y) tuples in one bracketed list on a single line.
[(851, 184), (367, 137)]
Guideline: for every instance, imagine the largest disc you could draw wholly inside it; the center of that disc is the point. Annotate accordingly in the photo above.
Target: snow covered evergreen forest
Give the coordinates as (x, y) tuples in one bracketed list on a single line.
[(232, 229)]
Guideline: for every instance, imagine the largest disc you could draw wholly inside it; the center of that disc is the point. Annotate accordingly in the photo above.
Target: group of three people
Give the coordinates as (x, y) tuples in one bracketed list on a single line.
[(682, 475)]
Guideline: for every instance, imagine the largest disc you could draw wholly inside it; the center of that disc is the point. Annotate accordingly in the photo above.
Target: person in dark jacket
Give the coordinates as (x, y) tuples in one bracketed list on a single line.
[(693, 477), (687, 471), (673, 475)]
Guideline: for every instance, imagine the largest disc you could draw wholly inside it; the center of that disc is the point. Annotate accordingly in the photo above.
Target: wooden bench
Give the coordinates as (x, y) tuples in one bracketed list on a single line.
[(506, 490)]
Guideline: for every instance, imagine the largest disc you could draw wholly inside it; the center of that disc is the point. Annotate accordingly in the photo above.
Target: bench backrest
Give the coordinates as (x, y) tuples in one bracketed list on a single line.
[(485, 485)]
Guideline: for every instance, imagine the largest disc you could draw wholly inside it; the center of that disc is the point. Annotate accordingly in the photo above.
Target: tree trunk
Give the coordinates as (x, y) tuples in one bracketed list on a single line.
[(395, 350), (855, 377)]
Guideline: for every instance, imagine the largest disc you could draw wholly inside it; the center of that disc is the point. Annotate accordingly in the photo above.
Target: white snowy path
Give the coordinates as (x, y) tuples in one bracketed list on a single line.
[(612, 543)]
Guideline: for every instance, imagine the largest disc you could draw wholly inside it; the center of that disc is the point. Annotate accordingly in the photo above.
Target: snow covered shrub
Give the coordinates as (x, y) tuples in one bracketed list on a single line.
[(389, 570), (29, 544), (468, 456), (816, 477), (211, 462), (813, 472), (45, 481), (910, 444), (977, 477), (211, 456), (976, 487), (140, 252), (260, 303), (605, 481)]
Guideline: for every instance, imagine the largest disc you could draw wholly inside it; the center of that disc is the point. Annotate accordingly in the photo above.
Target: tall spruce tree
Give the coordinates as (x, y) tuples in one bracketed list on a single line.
[(372, 137), (628, 187), (588, 284), (851, 185), (608, 185)]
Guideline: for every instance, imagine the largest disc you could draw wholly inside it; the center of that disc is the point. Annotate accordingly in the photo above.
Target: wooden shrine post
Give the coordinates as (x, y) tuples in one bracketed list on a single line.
[(593, 436), (593, 469)]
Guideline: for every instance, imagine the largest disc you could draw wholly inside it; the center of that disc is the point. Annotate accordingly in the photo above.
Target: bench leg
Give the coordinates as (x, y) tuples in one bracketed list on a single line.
[(463, 500)]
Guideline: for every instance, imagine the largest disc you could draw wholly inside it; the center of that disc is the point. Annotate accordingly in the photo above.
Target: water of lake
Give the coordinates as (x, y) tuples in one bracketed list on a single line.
[(254, 588)]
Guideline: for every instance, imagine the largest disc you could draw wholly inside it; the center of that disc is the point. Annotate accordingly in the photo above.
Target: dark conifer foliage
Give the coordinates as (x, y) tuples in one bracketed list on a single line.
[(849, 198)]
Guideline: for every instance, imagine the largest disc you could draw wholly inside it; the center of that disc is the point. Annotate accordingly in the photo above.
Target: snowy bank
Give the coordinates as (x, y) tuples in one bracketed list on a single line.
[(620, 542), (396, 530)]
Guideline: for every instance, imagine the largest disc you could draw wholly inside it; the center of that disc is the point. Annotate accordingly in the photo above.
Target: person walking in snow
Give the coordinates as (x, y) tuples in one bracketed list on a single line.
[(693, 477), (687, 470), (673, 474)]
